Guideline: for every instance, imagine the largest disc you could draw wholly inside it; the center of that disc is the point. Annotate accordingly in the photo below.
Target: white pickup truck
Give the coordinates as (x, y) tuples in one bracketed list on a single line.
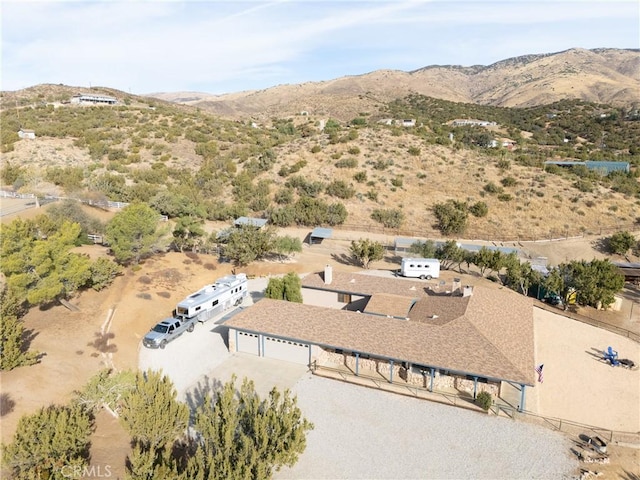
[(167, 330)]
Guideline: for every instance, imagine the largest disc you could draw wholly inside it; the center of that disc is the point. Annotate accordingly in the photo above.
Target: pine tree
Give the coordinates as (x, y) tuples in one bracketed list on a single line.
[(241, 436), (50, 443), (154, 418), (13, 350)]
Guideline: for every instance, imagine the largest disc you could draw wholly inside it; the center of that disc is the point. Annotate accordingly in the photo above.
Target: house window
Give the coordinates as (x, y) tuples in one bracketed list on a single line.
[(344, 297)]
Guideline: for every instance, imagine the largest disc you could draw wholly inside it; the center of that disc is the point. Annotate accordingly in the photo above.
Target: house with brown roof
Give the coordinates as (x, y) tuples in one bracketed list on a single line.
[(470, 339)]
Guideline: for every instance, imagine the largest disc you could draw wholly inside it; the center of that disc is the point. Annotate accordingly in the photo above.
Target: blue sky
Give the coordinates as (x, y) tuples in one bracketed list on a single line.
[(228, 46)]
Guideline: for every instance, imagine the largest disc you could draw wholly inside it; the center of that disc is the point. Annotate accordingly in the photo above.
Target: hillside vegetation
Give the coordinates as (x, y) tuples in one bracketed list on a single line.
[(603, 75), (309, 170)]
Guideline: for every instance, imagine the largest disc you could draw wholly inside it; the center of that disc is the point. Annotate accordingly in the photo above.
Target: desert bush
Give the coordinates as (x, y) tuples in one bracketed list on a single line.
[(492, 188), (390, 218), (340, 189), (484, 400), (508, 182), (360, 177), (347, 163), (479, 209), (452, 216), (397, 182)]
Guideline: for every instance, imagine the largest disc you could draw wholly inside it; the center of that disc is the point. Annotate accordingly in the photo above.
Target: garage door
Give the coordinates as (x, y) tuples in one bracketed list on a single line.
[(248, 343), (286, 350)]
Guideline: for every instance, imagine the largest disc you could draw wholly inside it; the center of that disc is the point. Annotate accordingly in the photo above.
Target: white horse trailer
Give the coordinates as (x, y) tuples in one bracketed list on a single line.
[(215, 298), (420, 268)]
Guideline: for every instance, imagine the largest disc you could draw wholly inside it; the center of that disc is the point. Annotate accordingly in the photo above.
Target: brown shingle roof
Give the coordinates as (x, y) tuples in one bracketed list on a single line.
[(389, 304), (359, 284), (492, 338)]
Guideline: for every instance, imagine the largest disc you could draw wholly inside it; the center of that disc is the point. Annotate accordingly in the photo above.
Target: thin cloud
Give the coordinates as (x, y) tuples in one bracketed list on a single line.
[(227, 46)]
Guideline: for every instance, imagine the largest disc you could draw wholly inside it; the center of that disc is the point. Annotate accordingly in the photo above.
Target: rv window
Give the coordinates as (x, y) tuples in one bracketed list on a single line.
[(412, 265), (197, 308), (215, 302)]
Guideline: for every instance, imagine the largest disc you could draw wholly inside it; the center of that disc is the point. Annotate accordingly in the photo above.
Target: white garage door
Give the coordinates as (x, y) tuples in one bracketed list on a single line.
[(286, 350), (248, 343)]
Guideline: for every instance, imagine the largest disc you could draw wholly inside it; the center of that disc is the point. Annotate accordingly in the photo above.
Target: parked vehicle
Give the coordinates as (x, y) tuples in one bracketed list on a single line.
[(167, 330), (215, 298), (420, 268)]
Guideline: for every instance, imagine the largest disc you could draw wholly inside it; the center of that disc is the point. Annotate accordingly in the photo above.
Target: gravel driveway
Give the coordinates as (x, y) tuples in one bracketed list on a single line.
[(365, 433)]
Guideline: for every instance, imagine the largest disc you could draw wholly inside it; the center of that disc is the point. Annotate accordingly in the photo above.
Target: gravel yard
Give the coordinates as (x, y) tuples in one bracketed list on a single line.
[(365, 433)]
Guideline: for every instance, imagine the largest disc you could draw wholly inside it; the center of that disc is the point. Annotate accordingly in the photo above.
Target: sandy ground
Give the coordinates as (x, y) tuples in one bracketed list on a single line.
[(576, 385)]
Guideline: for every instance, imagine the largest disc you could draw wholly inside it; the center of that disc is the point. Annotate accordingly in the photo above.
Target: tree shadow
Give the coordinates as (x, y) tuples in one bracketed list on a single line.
[(601, 245), (101, 342), (28, 335), (345, 259), (7, 404), (197, 395)]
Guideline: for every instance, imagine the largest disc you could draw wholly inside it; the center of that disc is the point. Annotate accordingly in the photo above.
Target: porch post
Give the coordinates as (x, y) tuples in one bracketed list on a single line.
[(433, 374), (391, 371), (475, 387), (522, 398), (357, 363)]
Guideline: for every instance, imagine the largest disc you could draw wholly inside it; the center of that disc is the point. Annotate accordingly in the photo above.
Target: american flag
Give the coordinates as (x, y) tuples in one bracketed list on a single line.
[(539, 372)]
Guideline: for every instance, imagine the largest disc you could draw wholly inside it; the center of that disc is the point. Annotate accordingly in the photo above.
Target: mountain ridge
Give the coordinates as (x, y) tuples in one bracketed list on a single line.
[(602, 75)]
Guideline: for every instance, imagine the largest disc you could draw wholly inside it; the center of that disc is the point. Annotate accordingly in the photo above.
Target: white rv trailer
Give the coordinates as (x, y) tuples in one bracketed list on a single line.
[(213, 299), (420, 268)]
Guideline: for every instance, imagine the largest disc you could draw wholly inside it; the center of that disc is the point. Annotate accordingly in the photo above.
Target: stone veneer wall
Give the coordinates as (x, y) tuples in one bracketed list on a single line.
[(369, 366)]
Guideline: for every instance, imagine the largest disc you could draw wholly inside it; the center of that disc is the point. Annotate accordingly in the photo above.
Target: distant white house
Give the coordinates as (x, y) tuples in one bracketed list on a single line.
[(407, 122), (503, 142), (468, 122), (23, 133), (93, 99)]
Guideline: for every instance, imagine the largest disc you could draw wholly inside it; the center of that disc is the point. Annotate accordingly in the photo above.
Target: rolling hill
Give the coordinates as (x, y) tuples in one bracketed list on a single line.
[(610, 76)]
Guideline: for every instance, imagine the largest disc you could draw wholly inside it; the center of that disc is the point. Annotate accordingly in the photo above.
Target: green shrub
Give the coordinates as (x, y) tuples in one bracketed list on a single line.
[(415, 151), (505, 197), (315, 149), (340, 189), (508, 182), (492, 188), (484, 400), (353, 150), (389, 218), (360, 177), (347, 163), (479, 209), (397, 182)]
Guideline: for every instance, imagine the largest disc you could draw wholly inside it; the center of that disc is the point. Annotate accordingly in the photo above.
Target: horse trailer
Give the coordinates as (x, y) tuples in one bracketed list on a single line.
[(420, 268), (215, 298)]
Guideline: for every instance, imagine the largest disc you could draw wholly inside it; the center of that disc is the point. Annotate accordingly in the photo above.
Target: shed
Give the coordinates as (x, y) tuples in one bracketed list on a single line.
[(403, 244), (24, 133), (254, 222), (319, 233)]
